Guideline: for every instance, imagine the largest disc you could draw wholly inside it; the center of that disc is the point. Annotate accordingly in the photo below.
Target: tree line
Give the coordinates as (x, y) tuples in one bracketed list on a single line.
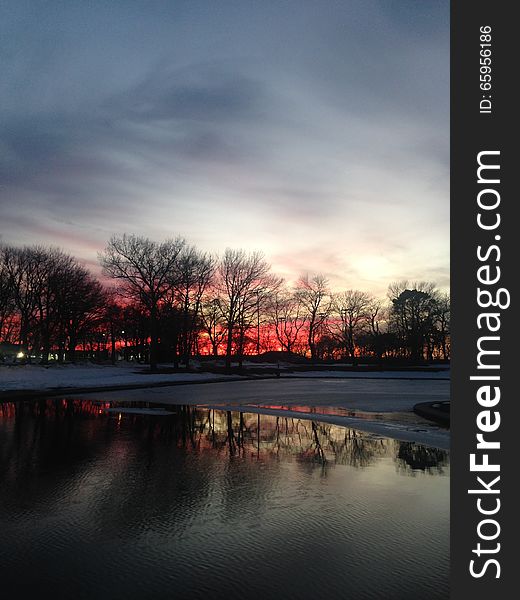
[(169, 301)]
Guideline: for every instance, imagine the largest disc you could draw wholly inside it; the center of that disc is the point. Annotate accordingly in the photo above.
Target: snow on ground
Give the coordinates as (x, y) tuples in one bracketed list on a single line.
[(36, 377), (365, 395)]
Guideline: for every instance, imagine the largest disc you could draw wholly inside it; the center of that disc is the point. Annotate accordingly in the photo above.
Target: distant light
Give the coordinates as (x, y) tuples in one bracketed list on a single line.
[(20, 355)]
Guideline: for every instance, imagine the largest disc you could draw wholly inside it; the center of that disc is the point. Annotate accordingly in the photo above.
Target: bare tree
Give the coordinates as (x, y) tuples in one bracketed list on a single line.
[(21, 270), (213, 321), (7, 304), (314, 296), (49, 292), (351, 317), (240, 276), (442, 324), (250, 309), (193, 276), (287, 316), (112, 319), (80, 300), (374, 337), (55, 272), (146, 272)]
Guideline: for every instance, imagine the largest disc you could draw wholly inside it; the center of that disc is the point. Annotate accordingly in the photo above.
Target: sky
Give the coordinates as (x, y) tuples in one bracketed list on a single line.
[(317, 132)]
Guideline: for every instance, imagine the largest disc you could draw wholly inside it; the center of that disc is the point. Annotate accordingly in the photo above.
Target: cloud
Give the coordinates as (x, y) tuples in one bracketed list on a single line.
[(203, 92), (319, 134)]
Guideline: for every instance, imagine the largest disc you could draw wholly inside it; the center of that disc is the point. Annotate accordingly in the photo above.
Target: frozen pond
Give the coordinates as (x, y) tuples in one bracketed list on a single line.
[(202, 503)]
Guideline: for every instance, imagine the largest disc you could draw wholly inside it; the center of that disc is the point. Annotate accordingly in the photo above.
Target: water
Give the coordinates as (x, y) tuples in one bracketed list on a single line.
[(215, 504)]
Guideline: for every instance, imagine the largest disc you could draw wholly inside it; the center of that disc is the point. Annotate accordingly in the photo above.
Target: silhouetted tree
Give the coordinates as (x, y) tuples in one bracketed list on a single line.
[(240, 276), (351, 311), (146, 273), (442, 325), (7, 304), (51, 304), (113, 317), (135, 331), (412, 315), (249, 314), (213, 322), (287, 316), (21, 270), (314, 296), (193, 276)]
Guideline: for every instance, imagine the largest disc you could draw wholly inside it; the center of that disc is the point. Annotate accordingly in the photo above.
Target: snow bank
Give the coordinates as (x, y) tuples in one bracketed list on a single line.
[(35, 377)]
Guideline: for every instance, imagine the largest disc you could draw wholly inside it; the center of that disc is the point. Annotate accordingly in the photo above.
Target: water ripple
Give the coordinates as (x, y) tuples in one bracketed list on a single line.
[(204, 504)]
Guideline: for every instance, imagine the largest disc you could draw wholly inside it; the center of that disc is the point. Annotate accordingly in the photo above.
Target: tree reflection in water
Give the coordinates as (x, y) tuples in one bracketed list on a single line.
[(415, 457), (118, 505), (200, 429)]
